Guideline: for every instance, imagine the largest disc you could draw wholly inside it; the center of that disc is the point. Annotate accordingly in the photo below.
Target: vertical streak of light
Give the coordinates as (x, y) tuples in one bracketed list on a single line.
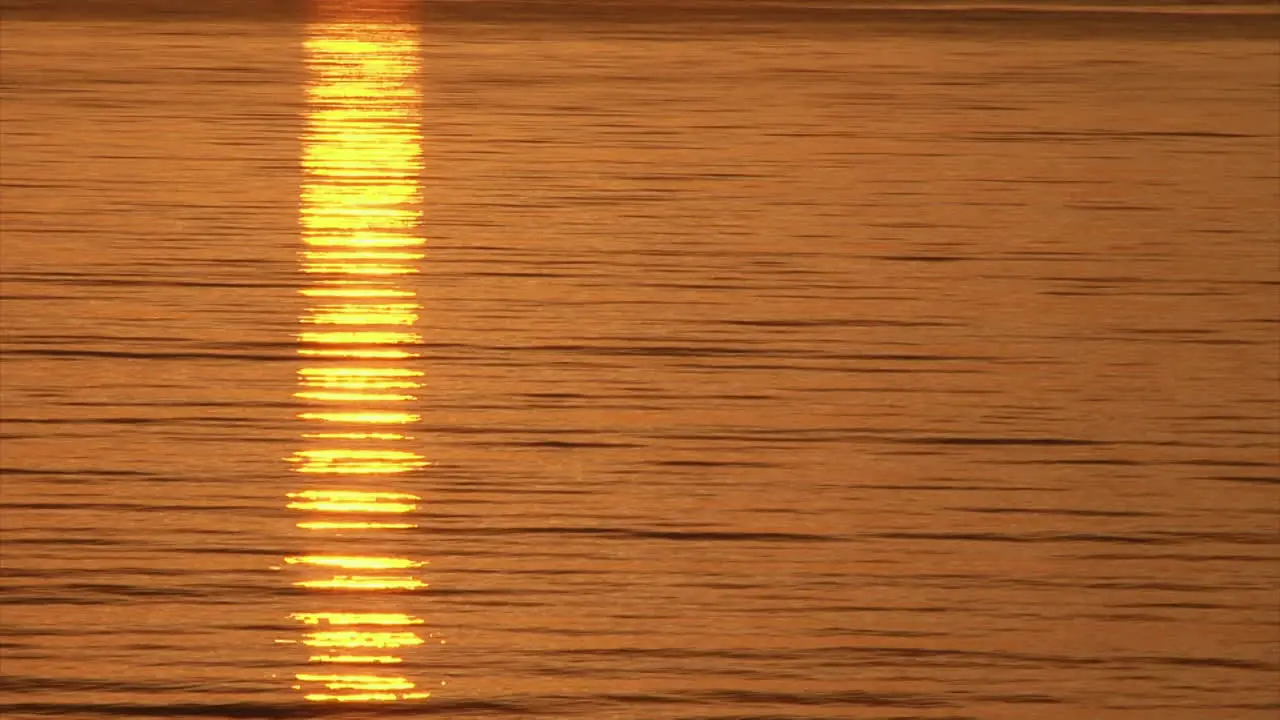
[(360, 207)]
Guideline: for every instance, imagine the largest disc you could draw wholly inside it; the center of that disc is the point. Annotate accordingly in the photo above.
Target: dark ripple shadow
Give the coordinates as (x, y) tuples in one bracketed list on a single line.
[(973, 440), (62, 353), (1056, 511), (638, 534), (852, 698), (270, 711), (1148, 538)]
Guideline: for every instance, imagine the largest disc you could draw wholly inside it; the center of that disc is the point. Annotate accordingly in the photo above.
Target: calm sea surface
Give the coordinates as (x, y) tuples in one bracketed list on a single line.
[(745, 363)]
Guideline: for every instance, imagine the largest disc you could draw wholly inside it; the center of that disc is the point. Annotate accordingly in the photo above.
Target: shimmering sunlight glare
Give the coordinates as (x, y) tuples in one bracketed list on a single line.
[(360, 217)]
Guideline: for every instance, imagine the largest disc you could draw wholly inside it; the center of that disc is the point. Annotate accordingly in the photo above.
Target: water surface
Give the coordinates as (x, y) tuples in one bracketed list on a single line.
[(763, 365)]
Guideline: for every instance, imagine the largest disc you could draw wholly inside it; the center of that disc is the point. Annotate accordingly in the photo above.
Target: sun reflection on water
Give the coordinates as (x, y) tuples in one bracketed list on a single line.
[(360, 216)]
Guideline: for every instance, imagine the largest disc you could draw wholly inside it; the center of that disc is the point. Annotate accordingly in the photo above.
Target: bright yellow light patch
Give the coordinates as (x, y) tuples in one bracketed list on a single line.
[(356, 436), (323, 525), (350, 461), (343, 501), (364, 314), (363, 582), (365, 239), (349, 682), (355, 563), (349, 373), (360, 379), (357, 659), (351, 507), (352, 698), (363, 256), (347, 224), (357, 353), (365, 417), (348, 291), (353, 269), (360, 217), (319, 195), (351, 639), (360, 337), (360, 317), (337, 454), (331, 396), (360, 496), (342, 618)]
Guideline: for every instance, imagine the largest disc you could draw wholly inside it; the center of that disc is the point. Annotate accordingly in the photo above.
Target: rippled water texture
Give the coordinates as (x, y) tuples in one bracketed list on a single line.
[(507, 361)]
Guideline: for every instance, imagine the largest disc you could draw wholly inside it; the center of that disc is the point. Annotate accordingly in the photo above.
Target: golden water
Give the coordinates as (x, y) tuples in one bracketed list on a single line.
[(608, 362)]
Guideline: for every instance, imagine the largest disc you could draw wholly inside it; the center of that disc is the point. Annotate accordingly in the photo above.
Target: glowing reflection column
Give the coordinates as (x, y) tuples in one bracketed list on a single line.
[(360, 207)]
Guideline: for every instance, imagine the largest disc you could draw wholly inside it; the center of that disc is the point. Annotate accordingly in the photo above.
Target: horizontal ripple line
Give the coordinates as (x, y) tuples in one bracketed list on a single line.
[(694, 536), (125, 355), (1155, 538), (260, 711)]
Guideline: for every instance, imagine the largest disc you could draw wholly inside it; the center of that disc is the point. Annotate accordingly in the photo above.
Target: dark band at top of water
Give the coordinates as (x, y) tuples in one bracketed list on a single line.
[(1238, 17)]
